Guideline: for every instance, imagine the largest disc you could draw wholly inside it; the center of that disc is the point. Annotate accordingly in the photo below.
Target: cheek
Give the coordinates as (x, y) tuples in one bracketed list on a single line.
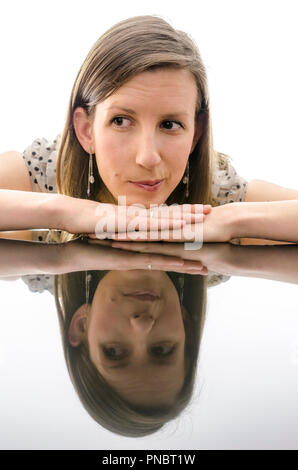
[(111, 150), (101, 326), (177, 154), (112, 159), (171, 320)]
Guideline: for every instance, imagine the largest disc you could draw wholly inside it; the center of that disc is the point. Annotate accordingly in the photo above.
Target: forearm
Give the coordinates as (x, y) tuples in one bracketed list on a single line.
[(27, 210), (275, 220), (279, 263), (21, 258)]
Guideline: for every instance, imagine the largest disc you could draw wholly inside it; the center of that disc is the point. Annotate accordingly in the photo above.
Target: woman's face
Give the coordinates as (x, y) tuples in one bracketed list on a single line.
[(137, 345), (145, 131)]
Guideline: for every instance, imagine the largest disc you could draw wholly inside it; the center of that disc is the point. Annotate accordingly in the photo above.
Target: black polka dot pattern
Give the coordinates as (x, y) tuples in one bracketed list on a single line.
[(227, 185), (41, 157), (215, 279), (40, 283)]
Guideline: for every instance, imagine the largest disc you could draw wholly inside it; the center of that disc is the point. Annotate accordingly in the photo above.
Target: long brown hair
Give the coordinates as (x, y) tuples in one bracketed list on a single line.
[(130, 47), (100, 400)]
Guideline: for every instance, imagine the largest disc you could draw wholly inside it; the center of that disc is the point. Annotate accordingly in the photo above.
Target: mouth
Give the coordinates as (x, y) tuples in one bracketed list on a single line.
[(148, 185), (146, 295)]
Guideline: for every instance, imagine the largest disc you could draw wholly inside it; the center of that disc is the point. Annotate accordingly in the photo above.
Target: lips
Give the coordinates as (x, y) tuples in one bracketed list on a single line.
[(147, 295), (148, 182), (148, 185)]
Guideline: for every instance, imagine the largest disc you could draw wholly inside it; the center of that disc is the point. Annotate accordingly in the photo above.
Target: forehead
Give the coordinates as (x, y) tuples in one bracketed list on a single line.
[(166, 87)]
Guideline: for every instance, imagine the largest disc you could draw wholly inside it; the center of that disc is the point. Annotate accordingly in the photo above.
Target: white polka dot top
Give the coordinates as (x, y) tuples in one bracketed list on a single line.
[(41, 156)]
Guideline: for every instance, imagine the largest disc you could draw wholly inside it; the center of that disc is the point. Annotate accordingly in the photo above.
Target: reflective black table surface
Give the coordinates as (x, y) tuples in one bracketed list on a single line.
[(148, 346)]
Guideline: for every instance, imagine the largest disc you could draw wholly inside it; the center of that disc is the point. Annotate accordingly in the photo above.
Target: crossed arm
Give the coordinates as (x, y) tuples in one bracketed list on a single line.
[(268, 215), (276, 218)]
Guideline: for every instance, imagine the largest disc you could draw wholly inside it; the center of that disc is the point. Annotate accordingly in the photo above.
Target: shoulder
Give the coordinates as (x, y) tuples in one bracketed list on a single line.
[(213, 279), (39, 283), (227, 185), (40, 158)]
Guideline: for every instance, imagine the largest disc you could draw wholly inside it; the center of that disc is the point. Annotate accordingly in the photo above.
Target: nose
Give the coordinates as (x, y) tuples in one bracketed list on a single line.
[(147, 153), (142, 322)]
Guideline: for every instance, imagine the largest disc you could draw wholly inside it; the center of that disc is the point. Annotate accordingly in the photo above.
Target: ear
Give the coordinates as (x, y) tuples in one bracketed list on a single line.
[(83, 129), (198, 131), (78, 326)]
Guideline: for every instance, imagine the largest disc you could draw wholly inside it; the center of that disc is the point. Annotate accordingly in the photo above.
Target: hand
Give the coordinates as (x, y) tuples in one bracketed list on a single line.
[(216, 227), (80, 256), (100, 220), (165, 221)]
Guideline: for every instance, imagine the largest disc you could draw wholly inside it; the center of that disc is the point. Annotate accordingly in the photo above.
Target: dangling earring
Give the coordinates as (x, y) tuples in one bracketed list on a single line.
[(186, 179), (90, 174), (87, 283)]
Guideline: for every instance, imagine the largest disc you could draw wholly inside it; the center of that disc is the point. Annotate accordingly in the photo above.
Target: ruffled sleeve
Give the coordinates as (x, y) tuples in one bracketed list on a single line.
[(40, 158), (227, 185), (213, 279), (39, 283)]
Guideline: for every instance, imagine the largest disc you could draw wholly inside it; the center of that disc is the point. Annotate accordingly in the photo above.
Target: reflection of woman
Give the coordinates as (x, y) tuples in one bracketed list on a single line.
[(131, 360), (85, 308)]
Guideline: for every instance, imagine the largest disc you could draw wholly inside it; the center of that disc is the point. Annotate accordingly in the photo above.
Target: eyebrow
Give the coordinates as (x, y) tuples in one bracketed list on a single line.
[(125, 364), (132, 111)]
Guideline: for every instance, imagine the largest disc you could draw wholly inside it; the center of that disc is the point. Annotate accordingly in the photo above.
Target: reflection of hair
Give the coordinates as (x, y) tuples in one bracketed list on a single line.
[(100, 400), (130, 47)]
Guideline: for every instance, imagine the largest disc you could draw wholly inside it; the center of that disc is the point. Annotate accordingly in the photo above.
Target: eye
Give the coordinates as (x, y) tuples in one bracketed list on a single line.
[(169, 124), (114, 352), (118, 120), (162, 350)]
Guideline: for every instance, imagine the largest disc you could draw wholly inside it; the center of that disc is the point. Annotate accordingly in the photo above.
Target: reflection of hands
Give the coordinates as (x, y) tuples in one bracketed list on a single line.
[(98, 255), (19, 258), (217, 257), (269, 262)]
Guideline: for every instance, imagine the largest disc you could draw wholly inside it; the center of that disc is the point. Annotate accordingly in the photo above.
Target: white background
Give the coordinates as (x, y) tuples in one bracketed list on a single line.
[(250, 51)]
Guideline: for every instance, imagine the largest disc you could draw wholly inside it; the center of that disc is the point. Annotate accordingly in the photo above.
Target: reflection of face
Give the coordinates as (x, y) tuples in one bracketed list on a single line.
[(138, 346), (145, 131)]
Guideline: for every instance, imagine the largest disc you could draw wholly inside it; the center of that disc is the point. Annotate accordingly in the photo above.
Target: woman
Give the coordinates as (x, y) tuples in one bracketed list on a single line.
[(160, 130), (144, 63), (156, 73)]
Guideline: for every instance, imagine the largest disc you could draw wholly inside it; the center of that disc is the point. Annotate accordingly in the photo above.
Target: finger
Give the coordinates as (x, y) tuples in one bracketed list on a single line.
[(147, 221), (161, 226), (155, 221), (173, 212), (157, 248), (163, 235), (181, 210), (160, 218), (100, 242), (159, 230), (207, 208)]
